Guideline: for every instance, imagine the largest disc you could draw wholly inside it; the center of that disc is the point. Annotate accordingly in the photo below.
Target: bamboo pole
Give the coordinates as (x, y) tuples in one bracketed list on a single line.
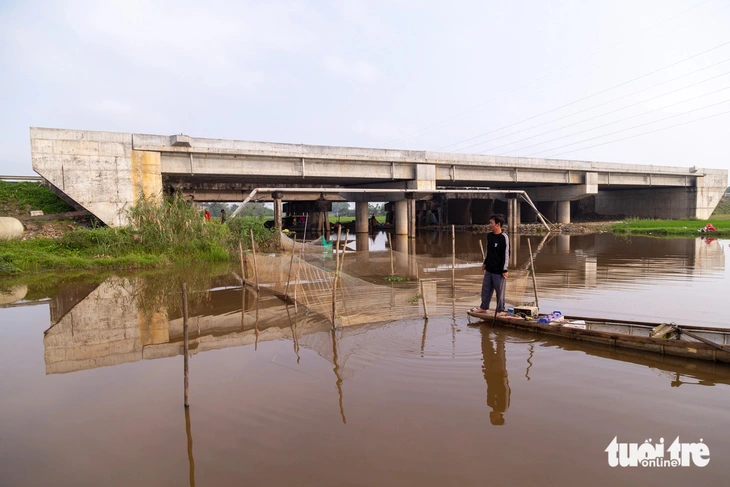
[(243, 265), (344, 249), (255, 268), (185, 343), (482, 248), (291, 264), (390, 246), (532, 271), (342, 261), (453, 257), (306, 220), (334, 280), (415, 260), (243, 284), (423, 299), (256, 324)]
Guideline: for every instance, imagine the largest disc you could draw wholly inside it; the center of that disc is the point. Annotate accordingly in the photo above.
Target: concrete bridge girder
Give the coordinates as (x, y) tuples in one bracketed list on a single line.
[(107, 172)]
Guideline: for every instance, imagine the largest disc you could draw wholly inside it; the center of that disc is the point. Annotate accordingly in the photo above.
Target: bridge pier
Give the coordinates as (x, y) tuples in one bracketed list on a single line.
[(361, 217), (362, 242), (563, 211), (401, 217), (278, 207), (513, 214), (411, 215)]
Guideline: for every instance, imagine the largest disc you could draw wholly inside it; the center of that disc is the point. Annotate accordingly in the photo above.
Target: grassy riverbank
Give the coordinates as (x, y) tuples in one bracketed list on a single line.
[(678, 228), (174, 232)]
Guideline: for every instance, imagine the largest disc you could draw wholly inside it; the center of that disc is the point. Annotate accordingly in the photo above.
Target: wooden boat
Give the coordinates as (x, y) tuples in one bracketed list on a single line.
[(688, 341)]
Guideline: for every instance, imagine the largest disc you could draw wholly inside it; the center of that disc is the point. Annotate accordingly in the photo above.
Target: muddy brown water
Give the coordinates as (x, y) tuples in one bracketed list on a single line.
[(91, 390)]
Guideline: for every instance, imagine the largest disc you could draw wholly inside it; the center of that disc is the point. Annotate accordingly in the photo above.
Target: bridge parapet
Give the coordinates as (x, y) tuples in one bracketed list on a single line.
[(106, 172)]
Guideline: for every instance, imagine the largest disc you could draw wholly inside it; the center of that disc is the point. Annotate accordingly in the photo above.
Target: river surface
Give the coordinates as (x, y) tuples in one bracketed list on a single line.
[(91, 389)]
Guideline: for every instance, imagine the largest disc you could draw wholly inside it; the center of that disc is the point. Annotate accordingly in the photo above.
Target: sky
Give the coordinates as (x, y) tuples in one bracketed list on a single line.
[(629, 81)]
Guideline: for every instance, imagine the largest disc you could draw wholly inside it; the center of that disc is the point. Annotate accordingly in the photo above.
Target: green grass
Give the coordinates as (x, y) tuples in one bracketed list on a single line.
[(22, 197), (348, 219), (723, 207), (161, 235), (683, 228)]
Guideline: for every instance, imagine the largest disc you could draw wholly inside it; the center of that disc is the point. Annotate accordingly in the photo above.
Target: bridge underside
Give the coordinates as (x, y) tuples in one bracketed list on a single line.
[(106, 173)]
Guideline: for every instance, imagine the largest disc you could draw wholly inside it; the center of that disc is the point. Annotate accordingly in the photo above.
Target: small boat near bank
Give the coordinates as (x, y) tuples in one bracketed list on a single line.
[(696, 342)]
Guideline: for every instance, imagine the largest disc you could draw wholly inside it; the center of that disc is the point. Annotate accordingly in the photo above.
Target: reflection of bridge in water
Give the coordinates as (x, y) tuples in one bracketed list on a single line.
[(96, 326)]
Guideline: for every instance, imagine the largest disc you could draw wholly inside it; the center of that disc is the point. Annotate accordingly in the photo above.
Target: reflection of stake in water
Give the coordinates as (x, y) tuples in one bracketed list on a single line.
[(335, 359), (495, 374), (293, 327), (529, 361), (191, 460), (186, 369)]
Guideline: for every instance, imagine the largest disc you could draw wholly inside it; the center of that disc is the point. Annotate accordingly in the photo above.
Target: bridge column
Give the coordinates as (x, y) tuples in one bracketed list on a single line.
[(563, 212), (411, 215), (362, 242), (277, 211), (513, 215), (401, 217), (361, 217), (563, 244)]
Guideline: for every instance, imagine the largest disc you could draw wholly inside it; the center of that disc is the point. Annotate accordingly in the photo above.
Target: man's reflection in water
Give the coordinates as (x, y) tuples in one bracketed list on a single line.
[(495, 373)]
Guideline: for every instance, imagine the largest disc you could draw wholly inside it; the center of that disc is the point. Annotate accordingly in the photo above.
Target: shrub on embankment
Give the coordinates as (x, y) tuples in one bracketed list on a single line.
[(159, 235)]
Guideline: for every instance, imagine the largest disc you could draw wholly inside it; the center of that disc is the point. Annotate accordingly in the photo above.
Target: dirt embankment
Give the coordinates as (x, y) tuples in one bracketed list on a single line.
[(53, 228)]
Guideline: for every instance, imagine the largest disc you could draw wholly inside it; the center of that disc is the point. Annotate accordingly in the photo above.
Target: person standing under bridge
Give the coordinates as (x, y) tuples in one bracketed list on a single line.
[(495, 265)]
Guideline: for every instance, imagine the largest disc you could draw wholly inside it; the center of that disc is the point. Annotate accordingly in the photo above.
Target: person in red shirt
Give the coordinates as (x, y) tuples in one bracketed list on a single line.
[(207, 215)]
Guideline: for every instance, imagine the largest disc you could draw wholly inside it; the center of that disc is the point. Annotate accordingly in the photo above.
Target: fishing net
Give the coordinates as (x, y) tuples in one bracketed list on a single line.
[(375, 286)]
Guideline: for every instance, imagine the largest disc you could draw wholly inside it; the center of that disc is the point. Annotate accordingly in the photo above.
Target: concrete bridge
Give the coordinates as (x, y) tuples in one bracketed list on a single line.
[(106, 172)]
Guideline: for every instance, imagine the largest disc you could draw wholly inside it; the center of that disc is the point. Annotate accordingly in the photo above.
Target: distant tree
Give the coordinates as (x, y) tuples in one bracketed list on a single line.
[(215, 209), (342, 208), (377, 209), (257, 210)]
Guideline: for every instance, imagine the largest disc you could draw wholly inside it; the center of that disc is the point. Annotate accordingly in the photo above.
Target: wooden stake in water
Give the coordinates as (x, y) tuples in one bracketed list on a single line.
[(306, 221), (334, 280), (255, 268), (185, 342), (291, 264), (344, 249), (453, 256), (243, 284), (390, 245), (423, 299), (243, 263), (532, 271)]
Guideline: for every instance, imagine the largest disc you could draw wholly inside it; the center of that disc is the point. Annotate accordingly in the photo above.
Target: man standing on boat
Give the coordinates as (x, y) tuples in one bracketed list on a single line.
[(495, 265)]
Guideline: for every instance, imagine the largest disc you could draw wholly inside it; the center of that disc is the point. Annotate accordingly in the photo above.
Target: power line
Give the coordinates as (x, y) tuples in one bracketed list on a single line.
[(629, 128), (606, 90), (606, 124), (596, 106), (643, 133), (589, 55)]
